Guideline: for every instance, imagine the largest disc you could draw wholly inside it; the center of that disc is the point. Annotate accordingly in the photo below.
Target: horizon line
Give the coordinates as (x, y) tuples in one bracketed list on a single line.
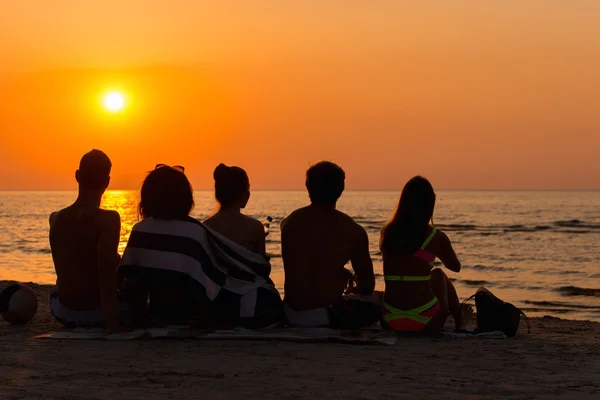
[(346, 190)]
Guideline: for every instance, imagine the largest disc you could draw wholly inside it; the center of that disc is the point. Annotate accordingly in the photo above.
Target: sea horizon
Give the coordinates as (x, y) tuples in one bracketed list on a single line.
[(346, 190)]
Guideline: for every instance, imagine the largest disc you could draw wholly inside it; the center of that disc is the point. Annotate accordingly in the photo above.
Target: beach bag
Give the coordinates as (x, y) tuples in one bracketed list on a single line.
[(494, 314)]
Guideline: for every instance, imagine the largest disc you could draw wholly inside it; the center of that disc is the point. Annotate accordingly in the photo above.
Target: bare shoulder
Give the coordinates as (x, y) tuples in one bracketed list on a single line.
[(441, 238), (294, 215), (350, 225), (53, 217), (348, 221), (109, 218), (254, 224)]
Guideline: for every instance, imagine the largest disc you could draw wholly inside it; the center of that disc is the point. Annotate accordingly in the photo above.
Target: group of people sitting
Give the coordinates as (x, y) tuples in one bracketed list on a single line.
[(216, 273)]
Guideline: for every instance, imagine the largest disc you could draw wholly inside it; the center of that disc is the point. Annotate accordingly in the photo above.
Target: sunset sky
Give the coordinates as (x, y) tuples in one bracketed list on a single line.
[(471, 94)]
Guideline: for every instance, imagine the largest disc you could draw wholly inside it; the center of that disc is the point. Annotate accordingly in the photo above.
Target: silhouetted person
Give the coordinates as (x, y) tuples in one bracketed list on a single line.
[(417, 296), (317, 241), (232, 191), (84, 240), (176, 271)]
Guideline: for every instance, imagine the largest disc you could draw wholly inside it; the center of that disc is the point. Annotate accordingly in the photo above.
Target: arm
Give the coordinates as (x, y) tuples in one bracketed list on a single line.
[(363, 265), (260, 242), (108, 245), (446, 253)]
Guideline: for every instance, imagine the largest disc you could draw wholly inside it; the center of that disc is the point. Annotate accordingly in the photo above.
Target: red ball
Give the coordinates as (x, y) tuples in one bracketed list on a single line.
[(18, 304)]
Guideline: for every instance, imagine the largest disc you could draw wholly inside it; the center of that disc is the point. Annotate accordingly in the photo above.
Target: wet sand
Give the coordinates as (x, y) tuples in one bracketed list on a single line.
[(559, 359)]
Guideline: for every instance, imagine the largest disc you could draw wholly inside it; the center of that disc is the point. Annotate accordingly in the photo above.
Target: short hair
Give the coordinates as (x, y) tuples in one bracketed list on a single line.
[(325, 182), (230, 184), (166, 194), (94, 170)]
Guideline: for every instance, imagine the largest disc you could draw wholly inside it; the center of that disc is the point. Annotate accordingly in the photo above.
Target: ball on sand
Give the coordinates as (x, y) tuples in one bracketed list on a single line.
[(18, 304)]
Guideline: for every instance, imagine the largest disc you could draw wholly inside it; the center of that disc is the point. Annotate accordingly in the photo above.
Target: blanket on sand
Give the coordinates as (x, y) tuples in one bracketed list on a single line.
[(303, 335)]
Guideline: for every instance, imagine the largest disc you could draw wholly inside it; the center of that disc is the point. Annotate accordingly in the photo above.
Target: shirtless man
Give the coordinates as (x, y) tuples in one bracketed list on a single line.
[(317, 241), (84, 240)]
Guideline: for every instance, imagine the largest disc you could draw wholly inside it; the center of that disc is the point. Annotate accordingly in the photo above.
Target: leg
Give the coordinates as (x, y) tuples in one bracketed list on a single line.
[(439, 286), (349, 313), (268, 310), (453, 301), (445, 291)]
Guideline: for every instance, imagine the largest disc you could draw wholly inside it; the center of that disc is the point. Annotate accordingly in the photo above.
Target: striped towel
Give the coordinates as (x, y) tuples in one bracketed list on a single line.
[(232, 278)]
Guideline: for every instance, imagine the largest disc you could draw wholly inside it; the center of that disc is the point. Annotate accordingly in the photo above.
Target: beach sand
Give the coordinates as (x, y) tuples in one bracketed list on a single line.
[(559, 359)]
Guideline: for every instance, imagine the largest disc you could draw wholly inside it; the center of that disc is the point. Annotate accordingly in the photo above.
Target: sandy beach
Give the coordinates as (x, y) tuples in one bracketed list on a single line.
[(559, 359)]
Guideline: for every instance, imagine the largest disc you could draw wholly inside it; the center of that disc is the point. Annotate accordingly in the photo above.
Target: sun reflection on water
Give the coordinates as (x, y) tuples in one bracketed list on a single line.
[(125, 203)]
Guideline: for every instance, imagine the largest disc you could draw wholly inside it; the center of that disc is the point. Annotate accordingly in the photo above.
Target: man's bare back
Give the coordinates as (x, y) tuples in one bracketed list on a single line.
[(84, 240), (317, 242), (75, 240)]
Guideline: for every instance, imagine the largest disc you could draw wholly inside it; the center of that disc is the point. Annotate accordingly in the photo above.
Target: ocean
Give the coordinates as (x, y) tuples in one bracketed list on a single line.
[(537, 249)]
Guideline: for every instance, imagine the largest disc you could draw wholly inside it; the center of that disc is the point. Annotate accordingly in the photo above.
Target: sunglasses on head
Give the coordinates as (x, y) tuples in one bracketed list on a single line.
[(175, 167)]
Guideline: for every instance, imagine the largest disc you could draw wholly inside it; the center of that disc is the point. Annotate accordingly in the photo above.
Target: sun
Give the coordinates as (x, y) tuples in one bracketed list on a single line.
[(114, 101)]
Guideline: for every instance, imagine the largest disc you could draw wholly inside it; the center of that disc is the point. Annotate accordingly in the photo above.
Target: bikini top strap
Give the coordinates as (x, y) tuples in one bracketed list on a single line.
[(431, 235)]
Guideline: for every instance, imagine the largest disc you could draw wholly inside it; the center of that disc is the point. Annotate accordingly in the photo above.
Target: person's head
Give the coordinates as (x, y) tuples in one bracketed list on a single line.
[(406, 230), (166, 194), (93, 174), (325, 183), (232, 186)]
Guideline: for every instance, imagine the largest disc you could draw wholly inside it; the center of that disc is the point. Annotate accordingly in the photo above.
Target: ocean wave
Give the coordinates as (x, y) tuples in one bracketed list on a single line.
[(480, 267), (457, 227), (575, 223), (519, 285), (45, 250), (561, 304), (470, 282), (564, 272), (547, 309), (578, 291), (369, 221), (574, 226)]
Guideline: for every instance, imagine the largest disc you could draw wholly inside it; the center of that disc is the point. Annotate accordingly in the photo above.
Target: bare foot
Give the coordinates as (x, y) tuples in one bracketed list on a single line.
[(466, 315)]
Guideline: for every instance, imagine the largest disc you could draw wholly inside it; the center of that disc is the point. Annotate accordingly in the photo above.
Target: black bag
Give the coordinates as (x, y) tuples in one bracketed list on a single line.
[(494, 314)]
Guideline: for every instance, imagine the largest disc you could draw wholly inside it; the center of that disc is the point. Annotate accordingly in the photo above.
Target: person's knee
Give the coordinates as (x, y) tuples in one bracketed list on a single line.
[(439, 284), (438, 274)]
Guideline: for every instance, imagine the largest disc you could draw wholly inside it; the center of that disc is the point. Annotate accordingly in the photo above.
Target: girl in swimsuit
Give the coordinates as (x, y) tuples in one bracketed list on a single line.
[(232, 191), (418, 297)]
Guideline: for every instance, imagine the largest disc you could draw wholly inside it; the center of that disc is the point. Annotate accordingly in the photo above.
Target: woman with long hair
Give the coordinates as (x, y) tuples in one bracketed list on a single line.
[(417, 296)]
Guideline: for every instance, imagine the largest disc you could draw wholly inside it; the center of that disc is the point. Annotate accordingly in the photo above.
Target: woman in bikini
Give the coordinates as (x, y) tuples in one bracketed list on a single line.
[(232, 191), (418, 297)]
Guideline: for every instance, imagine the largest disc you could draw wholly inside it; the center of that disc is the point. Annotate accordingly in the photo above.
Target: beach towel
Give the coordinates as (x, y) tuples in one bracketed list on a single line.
[(300, 335), (231, 281)]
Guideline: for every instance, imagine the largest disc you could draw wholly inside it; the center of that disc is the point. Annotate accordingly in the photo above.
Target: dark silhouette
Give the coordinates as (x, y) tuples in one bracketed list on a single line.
[(417, 297), (177, 271), (84, 240), (232, 191), (166, 194), (317, 241)]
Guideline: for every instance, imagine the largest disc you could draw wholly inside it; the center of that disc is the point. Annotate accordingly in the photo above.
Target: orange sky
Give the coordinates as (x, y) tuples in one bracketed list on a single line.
[(495, 94)]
